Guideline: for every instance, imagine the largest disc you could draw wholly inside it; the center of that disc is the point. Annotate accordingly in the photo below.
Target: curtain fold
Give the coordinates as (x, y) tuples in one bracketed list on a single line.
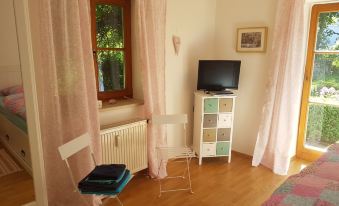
[(150, 17), (277, 136), (67, 95)]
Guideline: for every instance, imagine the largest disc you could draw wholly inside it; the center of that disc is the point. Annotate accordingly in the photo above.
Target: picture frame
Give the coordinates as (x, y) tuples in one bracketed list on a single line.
[(252, 39)]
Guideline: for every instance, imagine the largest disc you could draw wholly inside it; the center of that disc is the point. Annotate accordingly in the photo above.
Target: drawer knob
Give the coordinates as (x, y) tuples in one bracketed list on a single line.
[(7, 137)]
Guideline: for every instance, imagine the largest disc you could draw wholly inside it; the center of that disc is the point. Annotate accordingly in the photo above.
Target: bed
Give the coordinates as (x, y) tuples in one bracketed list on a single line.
[(12, 117), (317, 184), (13, 128)]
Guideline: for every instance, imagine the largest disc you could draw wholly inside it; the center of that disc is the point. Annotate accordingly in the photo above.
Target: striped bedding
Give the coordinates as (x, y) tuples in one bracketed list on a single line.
[(316, 185), (12, 106)]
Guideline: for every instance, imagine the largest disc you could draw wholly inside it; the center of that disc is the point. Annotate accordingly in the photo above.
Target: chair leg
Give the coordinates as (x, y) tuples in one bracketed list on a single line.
[(104, 201), (118, 200), (188, 174), (107, 198), (189, 162), (160, 189)]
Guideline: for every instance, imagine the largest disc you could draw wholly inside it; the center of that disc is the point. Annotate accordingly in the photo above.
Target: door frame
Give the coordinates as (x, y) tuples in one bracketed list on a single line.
[(303, 152), (23, 27)]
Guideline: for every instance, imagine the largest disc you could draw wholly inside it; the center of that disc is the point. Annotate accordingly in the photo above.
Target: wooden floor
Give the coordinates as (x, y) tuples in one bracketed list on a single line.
[(16, 189), (214, 183)]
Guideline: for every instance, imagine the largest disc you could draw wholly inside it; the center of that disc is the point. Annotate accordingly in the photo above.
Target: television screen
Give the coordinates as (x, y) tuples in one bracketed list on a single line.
[(218, 75)]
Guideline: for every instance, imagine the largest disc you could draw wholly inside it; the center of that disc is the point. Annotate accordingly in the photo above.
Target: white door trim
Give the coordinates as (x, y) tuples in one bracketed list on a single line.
[(23, 27)]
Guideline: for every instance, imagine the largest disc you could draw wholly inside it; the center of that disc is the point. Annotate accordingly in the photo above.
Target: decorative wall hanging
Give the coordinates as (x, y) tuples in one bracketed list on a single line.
[(252, 39), (176, 44)]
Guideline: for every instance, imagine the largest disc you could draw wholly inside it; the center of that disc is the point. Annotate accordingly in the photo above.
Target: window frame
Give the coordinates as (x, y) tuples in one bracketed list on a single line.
[(128, 90), (302, 151)]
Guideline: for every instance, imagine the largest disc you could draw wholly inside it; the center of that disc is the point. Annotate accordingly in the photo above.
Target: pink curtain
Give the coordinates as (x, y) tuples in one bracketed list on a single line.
[(66, 93), (150, 17), (277, 134)]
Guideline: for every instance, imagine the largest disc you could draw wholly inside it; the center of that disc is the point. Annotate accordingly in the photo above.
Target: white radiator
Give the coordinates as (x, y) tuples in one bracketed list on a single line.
[(125, 144)]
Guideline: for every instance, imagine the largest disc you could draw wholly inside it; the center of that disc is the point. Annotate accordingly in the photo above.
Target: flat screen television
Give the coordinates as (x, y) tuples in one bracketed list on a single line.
[(218, 75)]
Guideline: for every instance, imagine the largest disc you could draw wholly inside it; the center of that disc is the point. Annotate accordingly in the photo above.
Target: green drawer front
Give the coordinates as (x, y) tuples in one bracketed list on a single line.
[(211, 105), (223, 148)]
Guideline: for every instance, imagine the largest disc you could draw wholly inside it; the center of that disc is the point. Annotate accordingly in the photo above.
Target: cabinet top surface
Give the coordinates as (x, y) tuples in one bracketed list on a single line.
[(203, 94)]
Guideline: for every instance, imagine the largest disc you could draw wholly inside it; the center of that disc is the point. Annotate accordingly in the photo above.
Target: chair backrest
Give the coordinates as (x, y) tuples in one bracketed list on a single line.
[(72, 147), (172, 119)]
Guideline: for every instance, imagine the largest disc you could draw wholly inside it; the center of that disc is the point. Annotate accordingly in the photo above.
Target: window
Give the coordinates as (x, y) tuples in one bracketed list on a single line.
[(319, 118), (111, 41)]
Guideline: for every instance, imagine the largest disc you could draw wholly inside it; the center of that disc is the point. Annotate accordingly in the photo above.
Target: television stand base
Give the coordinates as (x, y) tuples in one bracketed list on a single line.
[(225, 92)]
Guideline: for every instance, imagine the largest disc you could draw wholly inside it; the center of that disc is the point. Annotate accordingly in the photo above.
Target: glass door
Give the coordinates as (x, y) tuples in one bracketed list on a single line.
[(319, 120)]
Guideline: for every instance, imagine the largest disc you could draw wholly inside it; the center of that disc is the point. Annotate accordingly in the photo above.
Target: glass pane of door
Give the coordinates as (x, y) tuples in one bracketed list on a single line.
[(322, 127)]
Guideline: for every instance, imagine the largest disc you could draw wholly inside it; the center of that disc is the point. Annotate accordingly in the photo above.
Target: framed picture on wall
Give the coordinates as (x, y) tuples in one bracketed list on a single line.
[(252, 39)]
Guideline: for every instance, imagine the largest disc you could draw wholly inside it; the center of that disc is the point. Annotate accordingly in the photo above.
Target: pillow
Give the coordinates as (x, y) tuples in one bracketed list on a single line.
[(16, 104), (12, 90)]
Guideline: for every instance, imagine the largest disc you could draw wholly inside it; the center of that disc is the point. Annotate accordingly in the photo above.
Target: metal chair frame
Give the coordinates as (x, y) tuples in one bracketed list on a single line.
[(178, 154), (71, 148)]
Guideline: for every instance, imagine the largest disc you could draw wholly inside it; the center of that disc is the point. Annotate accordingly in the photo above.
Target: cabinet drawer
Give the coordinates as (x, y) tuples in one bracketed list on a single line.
[(225, 120), (211, 105), (210, 120), (20, 146), (223, 148), (209, 135), (224, 134), (208, 149), (24, 151), (225, 105)]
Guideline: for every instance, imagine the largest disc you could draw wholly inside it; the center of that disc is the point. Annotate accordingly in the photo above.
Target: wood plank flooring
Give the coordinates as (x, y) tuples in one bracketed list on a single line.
[(214, 183), (16, 189)]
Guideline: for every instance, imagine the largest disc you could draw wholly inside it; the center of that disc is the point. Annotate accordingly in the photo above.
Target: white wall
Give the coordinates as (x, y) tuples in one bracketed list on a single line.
[(120, 115), (208, 31), (194, 22), (230, 15), (10, 73)]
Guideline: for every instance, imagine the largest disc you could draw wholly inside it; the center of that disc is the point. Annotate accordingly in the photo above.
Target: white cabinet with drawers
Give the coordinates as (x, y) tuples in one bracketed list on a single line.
[(213, 125)]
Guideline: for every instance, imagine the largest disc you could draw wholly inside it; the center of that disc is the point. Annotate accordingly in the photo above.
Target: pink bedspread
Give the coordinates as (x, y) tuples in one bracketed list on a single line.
[(16, 89), (16, 104), (317, 184)]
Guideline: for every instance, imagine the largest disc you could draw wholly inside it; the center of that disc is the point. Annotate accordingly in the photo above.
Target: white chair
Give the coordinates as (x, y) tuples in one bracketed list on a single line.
[(74, 146), (174, 154)]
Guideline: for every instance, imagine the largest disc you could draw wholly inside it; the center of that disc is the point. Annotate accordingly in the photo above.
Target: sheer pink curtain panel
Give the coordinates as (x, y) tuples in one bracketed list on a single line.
[(66, 93), (276, 140), (150, 21)]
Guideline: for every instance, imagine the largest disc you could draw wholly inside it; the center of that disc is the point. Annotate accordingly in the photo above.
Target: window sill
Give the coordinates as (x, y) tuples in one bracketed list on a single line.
[(121, 104)]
